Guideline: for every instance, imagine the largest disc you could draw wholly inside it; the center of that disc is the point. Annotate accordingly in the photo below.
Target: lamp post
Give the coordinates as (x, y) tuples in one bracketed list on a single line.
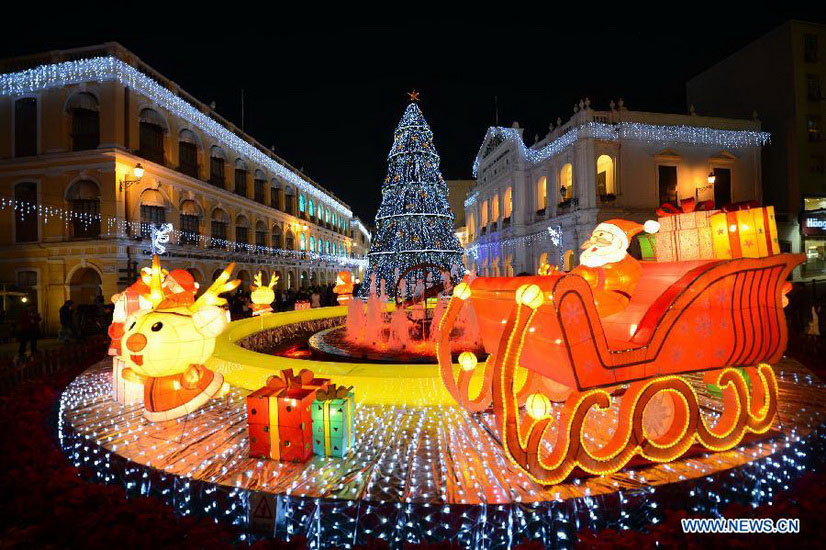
[(125, 184)]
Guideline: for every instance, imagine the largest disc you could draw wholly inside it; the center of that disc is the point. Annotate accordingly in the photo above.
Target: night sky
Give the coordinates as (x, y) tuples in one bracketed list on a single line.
[(329, 100)]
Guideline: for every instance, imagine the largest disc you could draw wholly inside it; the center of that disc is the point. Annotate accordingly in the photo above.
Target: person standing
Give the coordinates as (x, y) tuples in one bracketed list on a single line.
[(66, 313), (28, 330), (315, 299)]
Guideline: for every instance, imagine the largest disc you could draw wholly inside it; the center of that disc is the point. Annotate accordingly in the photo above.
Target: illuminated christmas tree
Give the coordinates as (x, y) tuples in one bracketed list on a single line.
[(414, 224)]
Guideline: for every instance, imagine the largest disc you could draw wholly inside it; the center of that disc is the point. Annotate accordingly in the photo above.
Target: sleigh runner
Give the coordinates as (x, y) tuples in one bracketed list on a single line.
[(684, 317)]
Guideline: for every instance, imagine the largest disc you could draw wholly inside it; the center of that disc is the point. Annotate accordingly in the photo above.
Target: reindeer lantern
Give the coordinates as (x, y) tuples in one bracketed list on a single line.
[(263, 296), (166, 347)]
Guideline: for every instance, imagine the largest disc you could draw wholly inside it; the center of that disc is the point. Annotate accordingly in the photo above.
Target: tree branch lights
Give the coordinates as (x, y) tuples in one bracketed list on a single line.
[(414, 224), (651, 133), (111, 69)]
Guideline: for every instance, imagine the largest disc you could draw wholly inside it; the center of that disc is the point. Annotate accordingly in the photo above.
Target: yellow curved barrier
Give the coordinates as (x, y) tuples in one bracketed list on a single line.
[(375, 383)]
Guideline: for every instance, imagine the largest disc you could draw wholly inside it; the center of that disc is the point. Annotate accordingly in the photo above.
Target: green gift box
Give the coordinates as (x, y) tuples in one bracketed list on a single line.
[(648, 246), (332, 414)]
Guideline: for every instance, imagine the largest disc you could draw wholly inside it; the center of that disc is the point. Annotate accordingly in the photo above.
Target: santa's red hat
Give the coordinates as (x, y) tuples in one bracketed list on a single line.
[(625, 229)]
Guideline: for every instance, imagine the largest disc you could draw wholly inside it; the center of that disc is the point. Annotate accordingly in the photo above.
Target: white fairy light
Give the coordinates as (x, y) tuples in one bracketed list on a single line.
[(111, 69), (638, 131)]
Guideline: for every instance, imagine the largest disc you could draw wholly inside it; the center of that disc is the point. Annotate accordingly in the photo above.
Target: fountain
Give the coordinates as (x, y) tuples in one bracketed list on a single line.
[(378, 329)]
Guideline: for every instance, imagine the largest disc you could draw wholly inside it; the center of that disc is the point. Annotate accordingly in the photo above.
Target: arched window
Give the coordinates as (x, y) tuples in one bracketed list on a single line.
[(541, 195), (303, 242), (327, 216), (84, 110), (188, 153), (25, 212), (84, 202), (190, 222), (219, 222), (302, 205), (289, 240), (312, 243), (241, 178), (508, 206), (25, 127), (152, 130), (277, 241), (242, 229), (605, 176), (494, 209), (276, 195), (311, 208), (289, 201), (260, 234), (566, 182), (259, 183), (217, 161), (153, 211), (327, 247)]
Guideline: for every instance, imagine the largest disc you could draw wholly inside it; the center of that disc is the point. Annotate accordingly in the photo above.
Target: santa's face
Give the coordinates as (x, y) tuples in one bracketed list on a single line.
[(602, 248)]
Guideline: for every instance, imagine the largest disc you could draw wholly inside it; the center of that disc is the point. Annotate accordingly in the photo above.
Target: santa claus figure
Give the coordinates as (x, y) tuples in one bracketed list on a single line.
[(605, 263)]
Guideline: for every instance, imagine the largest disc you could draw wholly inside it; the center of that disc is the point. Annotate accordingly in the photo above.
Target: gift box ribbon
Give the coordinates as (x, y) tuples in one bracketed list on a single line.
[(742, 205), (287, 380), (686, 206), (326, 397)]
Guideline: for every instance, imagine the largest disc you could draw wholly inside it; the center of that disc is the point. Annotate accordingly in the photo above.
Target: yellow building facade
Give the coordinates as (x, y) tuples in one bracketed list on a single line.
[(75, 217)]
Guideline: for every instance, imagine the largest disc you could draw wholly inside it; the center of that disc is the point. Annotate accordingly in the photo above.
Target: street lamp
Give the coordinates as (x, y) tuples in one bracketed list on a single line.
[(711, 178), (137, 173)]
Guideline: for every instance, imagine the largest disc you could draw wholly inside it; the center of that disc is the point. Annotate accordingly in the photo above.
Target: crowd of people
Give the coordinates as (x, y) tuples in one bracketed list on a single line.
[(240, 304)]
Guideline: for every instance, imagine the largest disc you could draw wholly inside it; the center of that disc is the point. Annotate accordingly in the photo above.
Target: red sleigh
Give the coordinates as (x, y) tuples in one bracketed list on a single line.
[(683, 317)]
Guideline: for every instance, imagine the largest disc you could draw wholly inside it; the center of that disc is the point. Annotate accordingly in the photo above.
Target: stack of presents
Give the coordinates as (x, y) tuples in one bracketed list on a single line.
[(297, 415), (696, 231)]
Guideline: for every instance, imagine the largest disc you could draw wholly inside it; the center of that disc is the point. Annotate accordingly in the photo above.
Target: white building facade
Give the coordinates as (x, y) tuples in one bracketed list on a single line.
[(531, 204)]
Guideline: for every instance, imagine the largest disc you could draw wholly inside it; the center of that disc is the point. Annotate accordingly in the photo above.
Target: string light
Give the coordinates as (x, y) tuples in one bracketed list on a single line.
[(649, 133), (111, 69), (120, 227), (414, 224)]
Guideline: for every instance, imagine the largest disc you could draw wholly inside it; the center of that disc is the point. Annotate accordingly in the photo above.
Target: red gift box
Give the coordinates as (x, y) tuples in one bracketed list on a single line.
[(280, 423)]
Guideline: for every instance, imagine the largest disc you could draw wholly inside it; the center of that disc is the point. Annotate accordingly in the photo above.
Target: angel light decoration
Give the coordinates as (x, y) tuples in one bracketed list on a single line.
[(165, 348), (262, 295)]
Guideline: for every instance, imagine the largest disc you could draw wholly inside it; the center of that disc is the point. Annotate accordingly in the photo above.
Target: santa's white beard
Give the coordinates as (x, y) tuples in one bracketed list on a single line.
[(601, 256)]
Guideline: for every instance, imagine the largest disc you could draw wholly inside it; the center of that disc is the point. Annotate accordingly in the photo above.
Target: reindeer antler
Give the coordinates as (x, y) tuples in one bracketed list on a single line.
[(273, 280), (155, 295), (257, 280), (220, 285)]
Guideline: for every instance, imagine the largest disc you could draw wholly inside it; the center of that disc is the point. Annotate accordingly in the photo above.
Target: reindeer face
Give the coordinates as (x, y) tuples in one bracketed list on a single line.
[(167, 341), (262, 295)]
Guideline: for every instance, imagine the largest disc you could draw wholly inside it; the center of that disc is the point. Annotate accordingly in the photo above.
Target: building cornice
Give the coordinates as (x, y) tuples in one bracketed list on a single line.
[(112, 69), (650, 133)]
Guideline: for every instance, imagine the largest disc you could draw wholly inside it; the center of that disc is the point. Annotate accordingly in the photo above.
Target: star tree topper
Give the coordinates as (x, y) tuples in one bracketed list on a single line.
[(414, 95)]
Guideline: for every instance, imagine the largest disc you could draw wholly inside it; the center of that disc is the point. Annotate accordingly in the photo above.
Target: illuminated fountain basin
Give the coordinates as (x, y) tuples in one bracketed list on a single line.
[(399, 383)]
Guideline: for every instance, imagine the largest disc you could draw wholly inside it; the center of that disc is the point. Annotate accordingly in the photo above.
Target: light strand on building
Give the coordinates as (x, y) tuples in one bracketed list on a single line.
[(651, 133), (108, 69), (129, 229)]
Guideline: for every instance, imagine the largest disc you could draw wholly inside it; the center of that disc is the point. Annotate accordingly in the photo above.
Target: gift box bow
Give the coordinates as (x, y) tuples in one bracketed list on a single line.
[(333, 392), (287, 380), (686, 206), (742, 205)]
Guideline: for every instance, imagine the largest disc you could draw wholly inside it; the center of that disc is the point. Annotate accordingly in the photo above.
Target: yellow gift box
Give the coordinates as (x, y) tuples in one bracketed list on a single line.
[(750, 233)]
